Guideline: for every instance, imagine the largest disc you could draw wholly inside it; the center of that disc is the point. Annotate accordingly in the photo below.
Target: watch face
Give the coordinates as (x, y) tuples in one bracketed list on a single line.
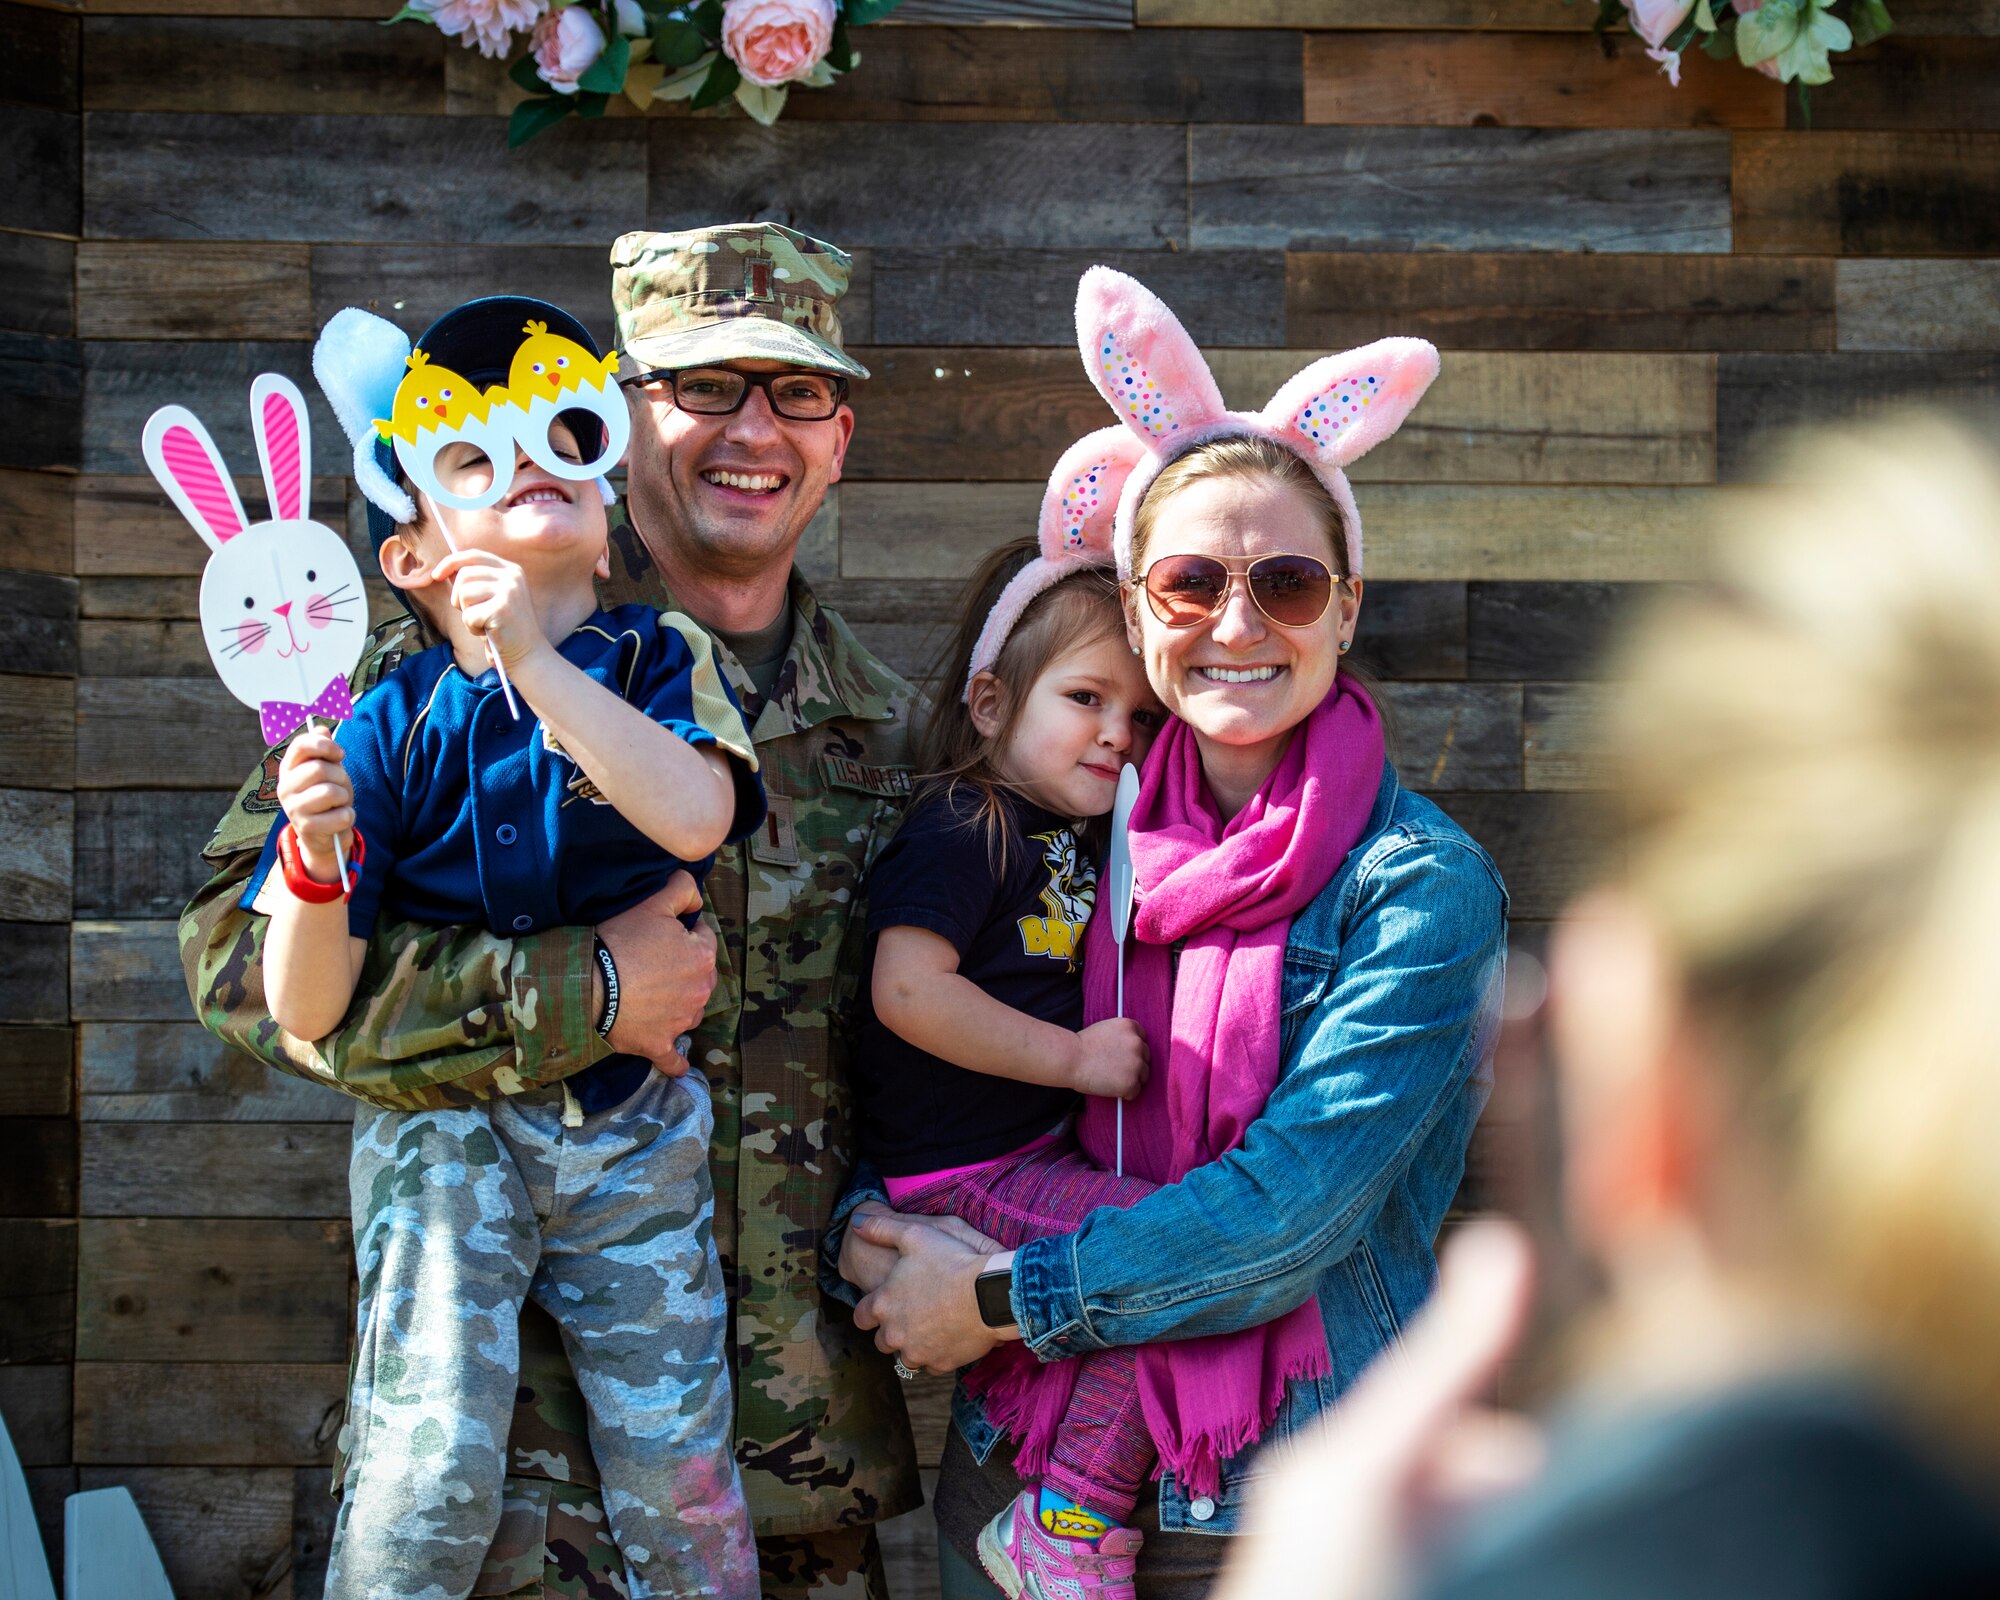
[(994, 1290)]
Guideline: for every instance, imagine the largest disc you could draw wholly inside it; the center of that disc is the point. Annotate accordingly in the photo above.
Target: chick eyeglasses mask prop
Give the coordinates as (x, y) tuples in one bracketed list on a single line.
[(433, 407)]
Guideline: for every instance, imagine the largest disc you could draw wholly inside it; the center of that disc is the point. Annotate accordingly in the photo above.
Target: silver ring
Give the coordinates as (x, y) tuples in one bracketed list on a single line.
[(905, 1371)]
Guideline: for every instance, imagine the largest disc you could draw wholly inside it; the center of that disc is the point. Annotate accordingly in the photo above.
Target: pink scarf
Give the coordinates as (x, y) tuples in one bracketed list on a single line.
[(1229, 888)]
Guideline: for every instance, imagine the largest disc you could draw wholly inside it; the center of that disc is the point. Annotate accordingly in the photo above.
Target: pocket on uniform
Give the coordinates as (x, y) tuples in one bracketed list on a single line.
[(518, 1555)]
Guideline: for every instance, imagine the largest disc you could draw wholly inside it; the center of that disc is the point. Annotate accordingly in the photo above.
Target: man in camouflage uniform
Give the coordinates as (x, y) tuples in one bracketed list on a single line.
[(717, 505)]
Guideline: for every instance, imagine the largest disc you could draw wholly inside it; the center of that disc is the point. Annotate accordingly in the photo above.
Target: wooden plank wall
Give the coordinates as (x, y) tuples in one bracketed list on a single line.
[(1631, 284)]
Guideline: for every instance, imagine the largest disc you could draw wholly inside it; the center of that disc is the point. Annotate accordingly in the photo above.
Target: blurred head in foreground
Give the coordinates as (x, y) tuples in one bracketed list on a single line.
[(1779, 1028)]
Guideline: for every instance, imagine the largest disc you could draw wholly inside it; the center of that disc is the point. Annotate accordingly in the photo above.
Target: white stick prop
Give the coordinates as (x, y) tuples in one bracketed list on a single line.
[(492, 654), (1121, 885)]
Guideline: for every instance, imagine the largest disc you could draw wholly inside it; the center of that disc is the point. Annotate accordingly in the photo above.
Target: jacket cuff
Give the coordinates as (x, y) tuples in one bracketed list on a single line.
[(1048, 1303), (864, 1185), (552, 1003)]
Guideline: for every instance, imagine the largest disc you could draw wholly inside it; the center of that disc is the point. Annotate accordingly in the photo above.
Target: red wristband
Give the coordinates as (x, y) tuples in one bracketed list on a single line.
[(304, 885)]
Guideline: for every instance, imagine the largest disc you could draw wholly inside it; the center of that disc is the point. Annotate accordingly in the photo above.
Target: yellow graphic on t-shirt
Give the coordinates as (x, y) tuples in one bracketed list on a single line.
[(1066, 902)]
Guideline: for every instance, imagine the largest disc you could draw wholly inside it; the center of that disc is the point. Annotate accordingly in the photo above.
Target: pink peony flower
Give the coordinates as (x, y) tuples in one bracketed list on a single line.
[(776, 42), (484, 25), (566, 43), (1654, 20)]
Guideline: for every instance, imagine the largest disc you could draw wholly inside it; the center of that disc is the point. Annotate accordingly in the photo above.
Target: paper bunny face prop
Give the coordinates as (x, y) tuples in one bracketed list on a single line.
[(1329, 415), (282, 607), (1078, 508)]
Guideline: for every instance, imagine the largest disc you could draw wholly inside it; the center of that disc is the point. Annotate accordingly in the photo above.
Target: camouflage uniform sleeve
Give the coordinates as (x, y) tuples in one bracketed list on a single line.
[(441, 1016)]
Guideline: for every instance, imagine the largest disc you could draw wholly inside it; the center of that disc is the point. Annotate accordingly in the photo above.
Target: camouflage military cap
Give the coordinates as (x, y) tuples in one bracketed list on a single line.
[(749, 291)]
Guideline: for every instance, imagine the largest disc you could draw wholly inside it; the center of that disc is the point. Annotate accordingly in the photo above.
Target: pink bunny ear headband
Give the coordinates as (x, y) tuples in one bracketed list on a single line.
[(1141, 359)]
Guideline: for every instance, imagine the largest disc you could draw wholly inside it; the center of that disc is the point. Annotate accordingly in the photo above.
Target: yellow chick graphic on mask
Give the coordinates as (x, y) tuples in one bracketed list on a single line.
[(547, 364), (432, 397)]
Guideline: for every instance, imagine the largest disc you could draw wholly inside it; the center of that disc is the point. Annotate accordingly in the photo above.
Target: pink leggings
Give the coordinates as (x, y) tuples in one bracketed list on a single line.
[(1102, 1454)]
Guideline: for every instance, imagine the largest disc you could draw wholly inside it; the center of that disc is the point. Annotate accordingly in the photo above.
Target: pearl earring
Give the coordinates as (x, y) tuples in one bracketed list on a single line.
[(1135, 649), (1345, 645)]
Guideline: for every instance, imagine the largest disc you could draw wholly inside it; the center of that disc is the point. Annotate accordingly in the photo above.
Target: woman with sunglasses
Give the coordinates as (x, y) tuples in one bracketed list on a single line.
[(1314, 961)]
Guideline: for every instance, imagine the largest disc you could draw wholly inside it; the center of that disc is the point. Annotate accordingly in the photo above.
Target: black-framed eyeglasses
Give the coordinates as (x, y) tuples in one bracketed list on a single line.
[(799, 396)]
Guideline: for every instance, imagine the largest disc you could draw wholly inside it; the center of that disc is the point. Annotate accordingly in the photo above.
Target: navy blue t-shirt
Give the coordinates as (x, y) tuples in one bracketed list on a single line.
[(1018, 931), (473, 817)]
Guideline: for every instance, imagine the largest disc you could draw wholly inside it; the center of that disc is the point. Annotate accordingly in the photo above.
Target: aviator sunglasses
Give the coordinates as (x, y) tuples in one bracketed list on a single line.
[(1293, 591)]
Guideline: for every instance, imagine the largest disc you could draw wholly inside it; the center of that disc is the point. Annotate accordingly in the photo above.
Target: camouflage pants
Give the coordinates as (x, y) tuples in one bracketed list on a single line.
[(458, 1215)]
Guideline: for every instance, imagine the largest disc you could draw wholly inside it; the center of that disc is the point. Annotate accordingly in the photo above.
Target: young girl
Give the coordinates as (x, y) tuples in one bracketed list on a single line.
[(974, 1057)]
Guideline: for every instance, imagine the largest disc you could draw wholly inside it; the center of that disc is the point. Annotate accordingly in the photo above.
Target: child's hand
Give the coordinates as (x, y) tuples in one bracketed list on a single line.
[(1111, 1059), (318, 800), (492, 595)]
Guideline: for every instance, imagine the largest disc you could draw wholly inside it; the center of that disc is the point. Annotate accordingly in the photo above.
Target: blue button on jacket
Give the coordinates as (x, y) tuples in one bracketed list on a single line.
[(1391, 998)]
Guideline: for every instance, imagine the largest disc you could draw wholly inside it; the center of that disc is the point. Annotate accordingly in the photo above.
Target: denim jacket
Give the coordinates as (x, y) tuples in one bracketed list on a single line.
[(1391, 994)]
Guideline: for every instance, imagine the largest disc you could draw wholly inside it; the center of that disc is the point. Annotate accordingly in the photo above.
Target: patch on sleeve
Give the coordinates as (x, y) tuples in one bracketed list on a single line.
[(264, 801)]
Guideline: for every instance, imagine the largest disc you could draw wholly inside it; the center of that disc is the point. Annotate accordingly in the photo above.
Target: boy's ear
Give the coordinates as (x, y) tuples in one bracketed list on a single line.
[(986, 704), (603, 567), (401, 564)]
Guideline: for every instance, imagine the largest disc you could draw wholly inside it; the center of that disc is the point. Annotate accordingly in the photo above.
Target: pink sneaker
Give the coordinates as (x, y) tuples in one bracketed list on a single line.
[(1030, 1563)]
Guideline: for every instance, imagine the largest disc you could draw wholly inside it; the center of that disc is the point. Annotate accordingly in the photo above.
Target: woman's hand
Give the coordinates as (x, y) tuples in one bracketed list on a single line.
[(318, 798), (924, 1309), (867, 1266), (492, 595), (1410, 1445)]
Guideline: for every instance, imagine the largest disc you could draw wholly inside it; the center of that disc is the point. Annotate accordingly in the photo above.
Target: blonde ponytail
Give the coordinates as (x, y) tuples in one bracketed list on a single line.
[(1810, 753)]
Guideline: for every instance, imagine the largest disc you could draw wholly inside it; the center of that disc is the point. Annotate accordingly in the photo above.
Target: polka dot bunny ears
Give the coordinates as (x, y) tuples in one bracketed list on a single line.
[(1143, 362), (1329, 415)]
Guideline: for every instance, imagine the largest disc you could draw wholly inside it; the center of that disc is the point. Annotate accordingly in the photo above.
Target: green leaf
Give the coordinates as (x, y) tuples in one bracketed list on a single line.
[(1681, 37), (606, 75), (531, 117), (719, 85), (1805, 105), (764, 105), (1704, 18), (678, 44), (1610, 14), (840, 52), (1721, 44), (1870, 21), (410, 14), (708, 17), (528, 75), (860, 12), (592, 103), (686, 83), (1767, 32)]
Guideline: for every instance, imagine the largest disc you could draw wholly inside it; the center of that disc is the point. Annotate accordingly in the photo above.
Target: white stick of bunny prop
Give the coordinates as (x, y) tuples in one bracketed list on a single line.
[(1122, 885)]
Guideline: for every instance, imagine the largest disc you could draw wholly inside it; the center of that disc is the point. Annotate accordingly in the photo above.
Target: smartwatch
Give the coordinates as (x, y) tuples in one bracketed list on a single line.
[(994, 1292)]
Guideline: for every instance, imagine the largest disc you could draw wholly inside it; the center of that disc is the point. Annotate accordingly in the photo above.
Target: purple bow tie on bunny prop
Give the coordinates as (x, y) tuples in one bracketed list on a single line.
[(282, 608)]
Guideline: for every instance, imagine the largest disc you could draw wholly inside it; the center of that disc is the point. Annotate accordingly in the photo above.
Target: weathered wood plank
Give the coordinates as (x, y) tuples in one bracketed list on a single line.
[(1549, 80), (125, 381), (165, 1288), (37, 732), (38, 844), (1411, 630), (36, 1072), (37, 521), (1541, 631), (152, 175), (39, 65), (36, 1402), (1525, 301), (921, 74), (1415, 532), (41, 167), (1564, 745), (214, 1413), (1491, 417), (138, 851), (215, 1169), (293, 66), (1758, 396), (38, 1295), (222, 1534), (1014, 13), (413, 284), (1455, 736), (1918, 305), (40, 278), (34, 972), (1547, 846), (1511, 14), (38, 622), (1028, 297), (178, 1072), (1867, 194), (234, 8), (138, 599), (193, 291), (126, 972), (1459, 189), (869, 184), (130, 527), (905, 622), (313, 1511), (37, 1167), (41, 393), (143, 650), (118, 743), (1912, 83)]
